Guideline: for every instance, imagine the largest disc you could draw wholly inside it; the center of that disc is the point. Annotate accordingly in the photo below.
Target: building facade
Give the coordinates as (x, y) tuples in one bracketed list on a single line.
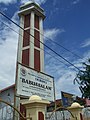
[(7, 94)]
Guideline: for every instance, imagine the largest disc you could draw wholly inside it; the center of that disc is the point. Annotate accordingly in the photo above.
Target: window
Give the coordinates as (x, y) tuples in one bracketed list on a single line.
[(25, 57), (27, 21), (26, 37), (36, 22), (37, 38), (37, 60)]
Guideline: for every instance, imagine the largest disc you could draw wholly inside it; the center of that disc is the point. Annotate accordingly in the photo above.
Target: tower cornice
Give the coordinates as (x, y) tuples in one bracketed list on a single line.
[(31, 6)]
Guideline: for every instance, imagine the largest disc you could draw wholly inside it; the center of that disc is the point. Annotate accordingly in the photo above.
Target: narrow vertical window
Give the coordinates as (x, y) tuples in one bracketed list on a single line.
[(25, 57), (37, 60), (27, 21), (36, 38), (26, 37), (36, 22)]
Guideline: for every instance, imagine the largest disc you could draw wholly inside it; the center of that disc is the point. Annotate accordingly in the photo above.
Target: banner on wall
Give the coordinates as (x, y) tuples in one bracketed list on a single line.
[(31, 82), (67, 98)]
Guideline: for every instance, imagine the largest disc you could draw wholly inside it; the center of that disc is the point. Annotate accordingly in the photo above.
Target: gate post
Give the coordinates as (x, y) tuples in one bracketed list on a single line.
[(76, 110), (35, 108)]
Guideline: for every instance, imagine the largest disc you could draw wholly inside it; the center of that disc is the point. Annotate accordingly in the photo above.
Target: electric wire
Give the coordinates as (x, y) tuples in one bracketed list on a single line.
[(32, 42), (41, 42), (56, 43)]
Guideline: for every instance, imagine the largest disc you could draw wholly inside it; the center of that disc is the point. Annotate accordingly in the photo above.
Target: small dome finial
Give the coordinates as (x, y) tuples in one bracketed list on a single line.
[(35, 97)]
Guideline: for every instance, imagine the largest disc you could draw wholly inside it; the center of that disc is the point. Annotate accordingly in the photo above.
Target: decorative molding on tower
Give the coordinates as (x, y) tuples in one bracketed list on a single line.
[(31, 6)]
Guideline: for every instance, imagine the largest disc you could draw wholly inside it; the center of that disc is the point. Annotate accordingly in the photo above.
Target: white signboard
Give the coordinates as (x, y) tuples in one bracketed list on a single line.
[(30, 82)]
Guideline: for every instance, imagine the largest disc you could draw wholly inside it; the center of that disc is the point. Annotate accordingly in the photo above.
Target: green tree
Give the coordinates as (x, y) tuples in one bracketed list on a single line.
[(83, 79)]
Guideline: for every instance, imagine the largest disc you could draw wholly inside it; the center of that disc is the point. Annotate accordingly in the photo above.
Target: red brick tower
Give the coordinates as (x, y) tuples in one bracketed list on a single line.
[(30, 49)]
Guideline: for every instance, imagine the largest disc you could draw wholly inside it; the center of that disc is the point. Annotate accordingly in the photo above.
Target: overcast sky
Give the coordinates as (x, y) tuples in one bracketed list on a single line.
[(67, 22)]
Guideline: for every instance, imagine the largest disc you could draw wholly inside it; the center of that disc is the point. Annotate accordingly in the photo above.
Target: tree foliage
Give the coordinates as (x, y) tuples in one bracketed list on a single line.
[(83, 79)]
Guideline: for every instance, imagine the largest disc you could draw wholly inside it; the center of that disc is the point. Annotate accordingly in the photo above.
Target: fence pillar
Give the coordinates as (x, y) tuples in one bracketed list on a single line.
[(76, 110), (35, 108)]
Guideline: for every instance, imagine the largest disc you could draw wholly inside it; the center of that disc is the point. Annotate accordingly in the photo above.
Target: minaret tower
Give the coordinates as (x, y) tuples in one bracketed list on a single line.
[(30, 47)]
